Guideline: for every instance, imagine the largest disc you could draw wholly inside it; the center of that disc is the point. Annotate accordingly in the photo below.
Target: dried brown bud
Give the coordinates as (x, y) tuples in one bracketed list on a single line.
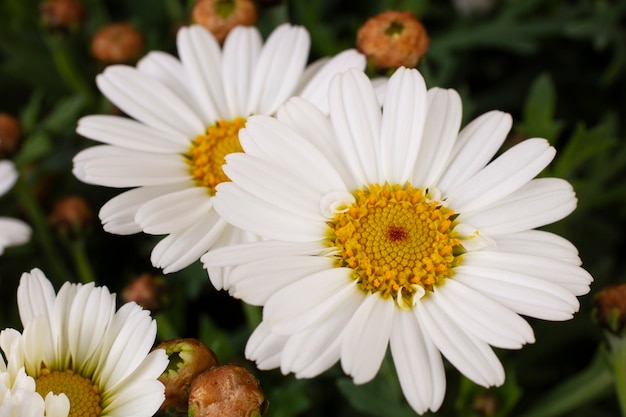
[(70, 215), (188, 358), (117, 43), (62, 15), (10, 135), (226, 391), (221, 16), (147, 290), (393, 39), (609, 308)]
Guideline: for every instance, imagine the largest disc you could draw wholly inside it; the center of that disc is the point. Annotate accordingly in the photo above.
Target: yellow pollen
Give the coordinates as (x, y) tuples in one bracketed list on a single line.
[(84, 396), (396, 240), (207, 152)]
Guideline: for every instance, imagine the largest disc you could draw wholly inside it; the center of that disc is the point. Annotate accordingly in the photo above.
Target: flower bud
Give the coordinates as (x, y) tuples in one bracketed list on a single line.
[(62, 15), (10, 135), (392, 39), (226, 391), (609, 308), (147, 290), (188, 358), (220, 16), (70, 215), (117, 43)]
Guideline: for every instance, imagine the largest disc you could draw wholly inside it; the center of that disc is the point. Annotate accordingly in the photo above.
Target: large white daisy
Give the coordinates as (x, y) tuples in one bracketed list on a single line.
[(95, 361), (12, 231), (188, 112), (394, 228)]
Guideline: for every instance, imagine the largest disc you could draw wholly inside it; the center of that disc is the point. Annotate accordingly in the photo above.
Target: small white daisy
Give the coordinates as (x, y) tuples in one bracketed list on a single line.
[(394, 228), (95, 361), (188, 112), (12, 231)]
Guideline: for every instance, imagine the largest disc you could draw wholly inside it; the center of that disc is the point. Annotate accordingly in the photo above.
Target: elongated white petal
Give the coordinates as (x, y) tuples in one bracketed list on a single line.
[(8, 176), (505, 175), (418, 363), (13, 232), (256, 251), (366, 338), (540, 202), (242, 48), (35, 296), (405, 111), (538, 243)]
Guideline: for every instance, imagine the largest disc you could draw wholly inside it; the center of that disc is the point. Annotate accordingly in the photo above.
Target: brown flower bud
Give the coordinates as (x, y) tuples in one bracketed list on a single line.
[(117, 43), (221, 16), (147, 290), (10, 135), (609, 308), (70, 215), (226, 391), (63, 15), (392, 39), (188, 358)]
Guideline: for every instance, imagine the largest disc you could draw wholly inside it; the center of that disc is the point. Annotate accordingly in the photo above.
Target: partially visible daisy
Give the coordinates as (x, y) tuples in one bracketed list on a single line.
[(95, 361), (12, 231), (394, 228), (188, 112)]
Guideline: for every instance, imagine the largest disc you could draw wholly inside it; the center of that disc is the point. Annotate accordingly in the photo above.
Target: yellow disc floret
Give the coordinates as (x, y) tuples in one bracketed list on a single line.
[(208, 151), (398, 241), (84, 396)]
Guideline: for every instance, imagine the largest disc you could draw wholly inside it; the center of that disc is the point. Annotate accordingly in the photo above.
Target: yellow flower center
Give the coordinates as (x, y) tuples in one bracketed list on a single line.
[(207, 152), (398, 242), (84, 396)]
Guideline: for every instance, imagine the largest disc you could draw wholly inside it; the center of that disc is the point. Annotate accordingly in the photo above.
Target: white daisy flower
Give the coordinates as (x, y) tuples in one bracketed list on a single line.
[(188, 112), (79, 355), (12, 231), (394, 228)]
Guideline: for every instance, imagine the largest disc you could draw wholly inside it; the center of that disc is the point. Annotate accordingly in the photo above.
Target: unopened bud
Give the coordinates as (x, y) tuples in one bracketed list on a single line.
[(226, 391), (10, 135), (609, 308), (221, 16), (147, 290), (70, 215), (117, 43), (188, 359), (62, 15), (393, 39)]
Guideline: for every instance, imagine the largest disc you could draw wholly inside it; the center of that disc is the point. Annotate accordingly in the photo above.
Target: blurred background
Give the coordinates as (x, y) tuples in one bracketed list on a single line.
[(558, 66)]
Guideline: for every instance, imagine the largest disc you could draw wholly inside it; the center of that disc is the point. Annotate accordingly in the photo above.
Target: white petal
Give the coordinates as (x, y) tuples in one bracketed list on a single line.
[(476, 144), (13, 232), (366, 338), (265, 347), (256, 251), (240, 54), (260, 217), (175, 211), (118, 214), (278, 69), (486, 319), (148, 101), (8, 176), (202, 58), (405, 110), (418, 363), (356, 117), (180, 249), (505, 175), (287, 312), (473, 358), (255, 282), (115, 167), (316, 88), (521, 293), (540, 202), (538, 243), (571, 277), (441, 128), (127, 133), (35, 296)]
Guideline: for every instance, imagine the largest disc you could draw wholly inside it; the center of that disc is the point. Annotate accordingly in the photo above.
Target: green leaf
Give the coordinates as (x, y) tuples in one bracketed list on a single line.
[(65, 114), (538, 114)]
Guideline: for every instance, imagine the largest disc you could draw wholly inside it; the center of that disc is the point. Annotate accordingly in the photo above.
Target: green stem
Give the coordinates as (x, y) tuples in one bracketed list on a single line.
[(66, 66), (81, 261), (618, 362), (58, 272)]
